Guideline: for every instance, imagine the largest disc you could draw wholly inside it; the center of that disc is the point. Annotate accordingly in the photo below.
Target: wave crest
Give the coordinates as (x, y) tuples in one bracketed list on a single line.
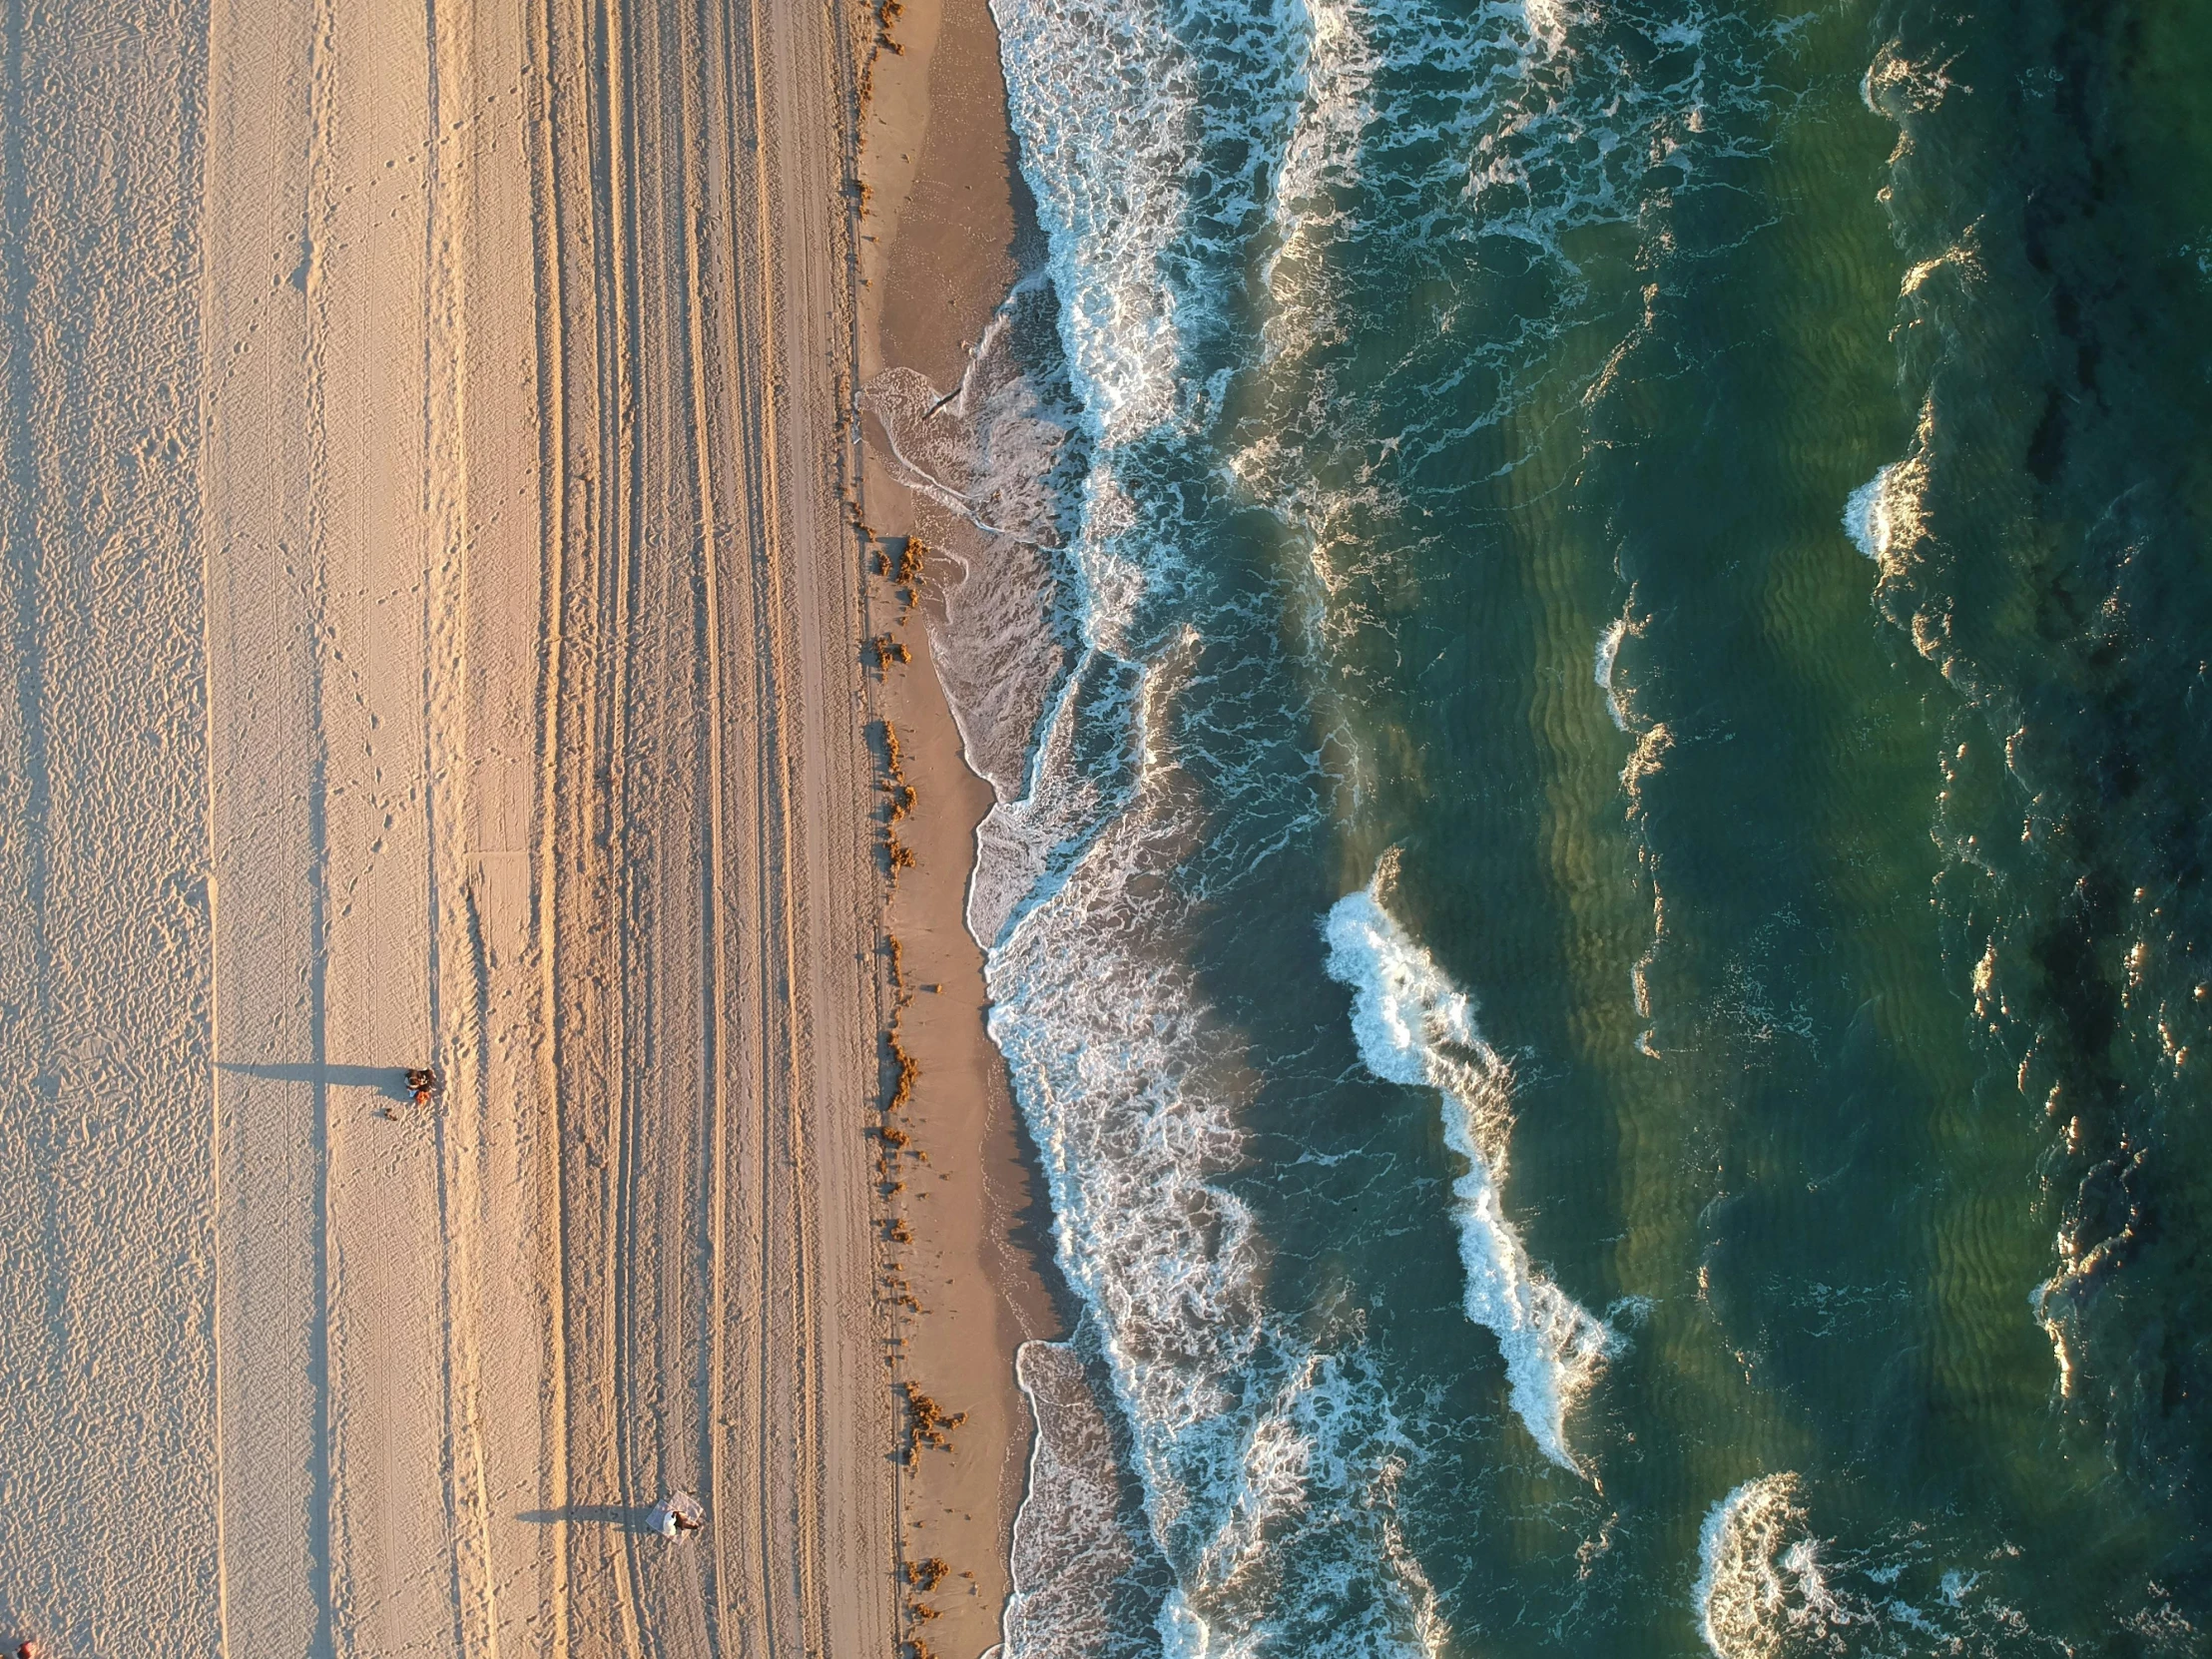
[(1415, 1026)]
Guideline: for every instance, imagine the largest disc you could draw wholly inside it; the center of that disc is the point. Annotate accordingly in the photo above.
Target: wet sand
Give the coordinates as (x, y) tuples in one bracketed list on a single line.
[(966, 1240)]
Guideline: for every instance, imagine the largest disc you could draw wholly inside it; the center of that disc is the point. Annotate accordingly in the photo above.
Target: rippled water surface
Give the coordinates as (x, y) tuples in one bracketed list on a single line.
[(1600, 695)]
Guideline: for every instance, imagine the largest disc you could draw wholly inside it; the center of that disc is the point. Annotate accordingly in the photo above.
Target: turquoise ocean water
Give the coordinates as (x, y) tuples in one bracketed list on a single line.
[(1600, 900)]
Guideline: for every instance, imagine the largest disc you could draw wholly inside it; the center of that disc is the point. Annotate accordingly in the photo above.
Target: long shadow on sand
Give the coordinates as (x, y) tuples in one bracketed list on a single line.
[(605, 1514), (389, 1081)]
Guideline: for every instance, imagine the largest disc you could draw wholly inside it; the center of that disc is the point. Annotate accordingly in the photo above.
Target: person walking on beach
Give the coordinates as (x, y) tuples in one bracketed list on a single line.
[(677, 1514)]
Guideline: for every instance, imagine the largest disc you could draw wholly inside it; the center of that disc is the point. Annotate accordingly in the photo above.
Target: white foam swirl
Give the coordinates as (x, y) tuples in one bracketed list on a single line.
[(1177, 149), (1609, 653), (1069, 1543), (1107, 109), (1256, 1444), (1758, 1571)]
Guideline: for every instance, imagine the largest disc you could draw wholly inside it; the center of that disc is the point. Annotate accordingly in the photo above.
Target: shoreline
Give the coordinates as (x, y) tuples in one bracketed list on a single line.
[(946, 232)]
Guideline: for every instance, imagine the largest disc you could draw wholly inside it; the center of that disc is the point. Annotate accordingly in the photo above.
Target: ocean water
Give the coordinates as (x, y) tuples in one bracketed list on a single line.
[(1597, 659)]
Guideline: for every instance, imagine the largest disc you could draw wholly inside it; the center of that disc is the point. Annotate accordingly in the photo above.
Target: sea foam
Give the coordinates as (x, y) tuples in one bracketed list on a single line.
[(1771, 1587), (1759, 1571), (1866, 515), (1177, 153), (1609, 653), (1269, 1455), (1005, 452), (1415, 1026), (1884, 516), (1115, 1053), (1073, 1556)]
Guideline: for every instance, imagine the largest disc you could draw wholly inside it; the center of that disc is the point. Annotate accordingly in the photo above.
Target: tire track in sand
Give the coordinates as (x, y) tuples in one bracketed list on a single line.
[(760, 1339)]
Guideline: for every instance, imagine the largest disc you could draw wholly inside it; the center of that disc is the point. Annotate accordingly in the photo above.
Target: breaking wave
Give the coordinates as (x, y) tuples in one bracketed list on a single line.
[(1415, 1026), (1770, 1586)]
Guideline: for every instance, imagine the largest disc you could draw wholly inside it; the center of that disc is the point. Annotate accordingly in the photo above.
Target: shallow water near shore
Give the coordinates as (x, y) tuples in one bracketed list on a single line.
[(1600, 922)]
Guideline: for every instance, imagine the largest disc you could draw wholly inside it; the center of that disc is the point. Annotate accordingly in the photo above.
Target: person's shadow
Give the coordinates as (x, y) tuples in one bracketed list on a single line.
[(602, 1514), (387, 1081)]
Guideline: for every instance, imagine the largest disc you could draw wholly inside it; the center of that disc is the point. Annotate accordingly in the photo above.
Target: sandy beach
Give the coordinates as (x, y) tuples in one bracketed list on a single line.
[(434, 622)]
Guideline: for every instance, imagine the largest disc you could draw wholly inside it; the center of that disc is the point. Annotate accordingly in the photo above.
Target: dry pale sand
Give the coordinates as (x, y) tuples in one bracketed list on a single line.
[(431, 633), (969, 1245)]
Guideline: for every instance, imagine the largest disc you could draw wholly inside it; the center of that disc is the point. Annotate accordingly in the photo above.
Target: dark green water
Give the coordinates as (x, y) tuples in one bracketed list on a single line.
[(1835, 982)]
